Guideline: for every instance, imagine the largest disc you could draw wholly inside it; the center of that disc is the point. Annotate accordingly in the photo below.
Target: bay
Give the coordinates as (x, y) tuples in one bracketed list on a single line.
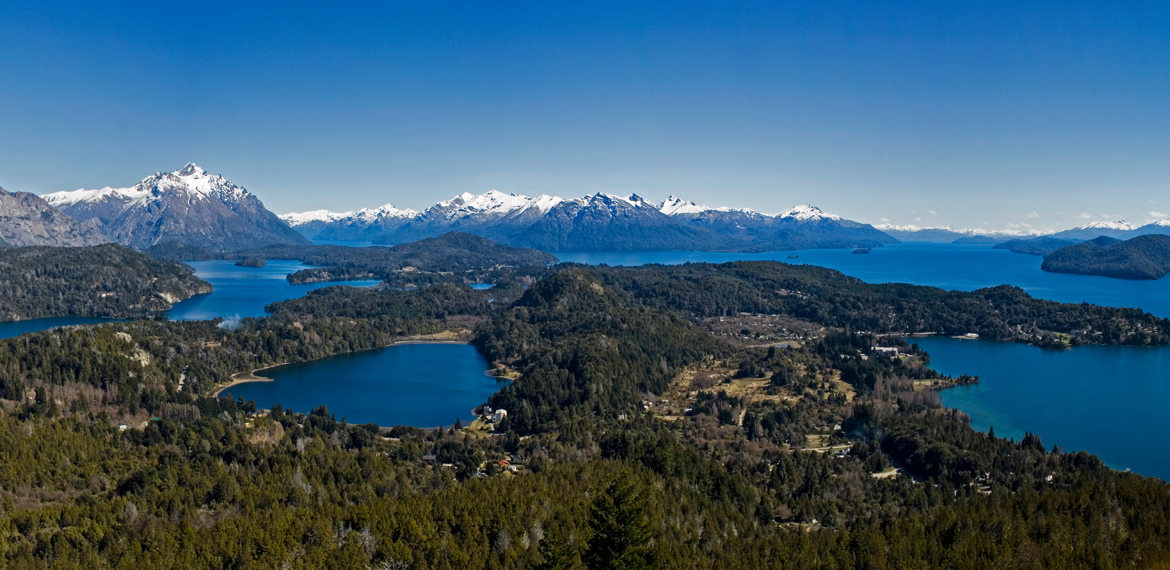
[(422, 385), (947, 266), (244, 291), (1107, 400)]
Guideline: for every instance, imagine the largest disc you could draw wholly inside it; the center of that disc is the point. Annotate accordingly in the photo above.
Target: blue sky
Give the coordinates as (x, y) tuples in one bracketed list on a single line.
[(986, 114)]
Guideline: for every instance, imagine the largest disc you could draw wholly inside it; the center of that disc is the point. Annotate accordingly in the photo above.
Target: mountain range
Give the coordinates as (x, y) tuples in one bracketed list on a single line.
[(945, 234), (26, 219), (193, 207), (594, 223), (188, 205)]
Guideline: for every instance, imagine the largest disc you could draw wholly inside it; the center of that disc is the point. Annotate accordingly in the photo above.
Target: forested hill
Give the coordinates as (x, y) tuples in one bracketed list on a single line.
[(831, 299), (635, 439), (100, 281), (1042, 245), (448, 257), (1142, 257)]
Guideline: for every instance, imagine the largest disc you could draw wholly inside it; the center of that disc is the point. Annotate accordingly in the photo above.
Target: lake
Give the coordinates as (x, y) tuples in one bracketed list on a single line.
[(244, 291), (1107, 400), (1100, 399), (16, 328), (948, 266), (424, 385)]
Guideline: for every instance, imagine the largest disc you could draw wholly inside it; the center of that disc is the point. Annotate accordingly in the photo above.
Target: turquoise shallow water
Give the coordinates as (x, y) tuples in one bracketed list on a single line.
[(1107, 400), (423, 385)]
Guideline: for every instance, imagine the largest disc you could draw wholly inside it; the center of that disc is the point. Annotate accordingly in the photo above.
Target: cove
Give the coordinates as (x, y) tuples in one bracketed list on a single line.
[(947, 266), (244, 291), (1107, 400), (422, 385)]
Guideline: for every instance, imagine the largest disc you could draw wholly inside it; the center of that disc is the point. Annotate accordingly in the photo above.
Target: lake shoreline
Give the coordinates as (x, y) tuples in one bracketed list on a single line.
[(249, 377)]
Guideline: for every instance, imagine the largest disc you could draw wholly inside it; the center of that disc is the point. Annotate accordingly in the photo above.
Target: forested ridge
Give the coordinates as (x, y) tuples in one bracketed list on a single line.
[(99, 281), (640, 440), (1142, 257), (830, 298)]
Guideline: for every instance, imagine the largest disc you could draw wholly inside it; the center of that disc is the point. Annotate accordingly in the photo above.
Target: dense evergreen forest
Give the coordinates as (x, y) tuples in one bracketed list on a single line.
[(99, 281), (635, 438), (829, 298), (1142, 257), (1041, 246)]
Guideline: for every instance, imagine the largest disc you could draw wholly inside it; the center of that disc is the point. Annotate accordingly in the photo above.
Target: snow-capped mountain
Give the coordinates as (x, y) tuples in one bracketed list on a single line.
[(348, 225), (26, 219), (188, 205), (947, 234), (599, 222), (1120, 229)]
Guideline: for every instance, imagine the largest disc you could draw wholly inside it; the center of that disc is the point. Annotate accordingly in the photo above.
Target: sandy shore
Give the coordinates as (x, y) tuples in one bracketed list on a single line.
[(244, 378)]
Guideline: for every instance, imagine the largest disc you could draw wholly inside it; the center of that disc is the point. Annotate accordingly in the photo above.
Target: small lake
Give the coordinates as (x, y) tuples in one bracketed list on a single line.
[(422, 385), (1107, 400), (244, 291), (16, 328), (948, 266)]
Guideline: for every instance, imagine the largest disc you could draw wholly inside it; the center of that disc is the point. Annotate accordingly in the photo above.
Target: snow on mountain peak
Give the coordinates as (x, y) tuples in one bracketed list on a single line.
[(298, 218), (675, 205), (807, 212), (364, 215), (1118, 225), (191, 169), (68, 198)]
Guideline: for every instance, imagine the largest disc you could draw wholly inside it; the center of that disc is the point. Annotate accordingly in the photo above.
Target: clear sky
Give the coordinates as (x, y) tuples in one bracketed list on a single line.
[(967, 113)]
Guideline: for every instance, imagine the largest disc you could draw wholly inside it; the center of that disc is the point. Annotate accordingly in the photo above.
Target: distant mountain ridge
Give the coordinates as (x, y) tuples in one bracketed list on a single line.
[(27, 220), (947, 234), (188, 205), (597, 222), (1119, 229)]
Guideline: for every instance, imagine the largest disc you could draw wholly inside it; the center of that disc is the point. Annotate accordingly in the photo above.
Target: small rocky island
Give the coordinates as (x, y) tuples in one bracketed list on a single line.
[(251, 262)]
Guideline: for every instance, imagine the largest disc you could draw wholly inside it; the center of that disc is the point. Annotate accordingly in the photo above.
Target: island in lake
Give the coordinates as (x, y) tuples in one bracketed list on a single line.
[(251, 262)]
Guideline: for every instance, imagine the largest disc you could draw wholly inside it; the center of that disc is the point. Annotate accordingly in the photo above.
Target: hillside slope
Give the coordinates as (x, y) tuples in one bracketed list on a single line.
[(1143, 257), (100, 281), (26, 219)]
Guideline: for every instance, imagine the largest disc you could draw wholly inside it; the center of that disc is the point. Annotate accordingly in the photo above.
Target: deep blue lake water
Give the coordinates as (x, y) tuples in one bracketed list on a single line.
[(1107, 400), (17, 328), (955, 267), (423, 385), (244, 291)]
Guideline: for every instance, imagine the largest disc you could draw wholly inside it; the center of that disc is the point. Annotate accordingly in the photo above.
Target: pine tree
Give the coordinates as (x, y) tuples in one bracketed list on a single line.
[(622, 535)]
